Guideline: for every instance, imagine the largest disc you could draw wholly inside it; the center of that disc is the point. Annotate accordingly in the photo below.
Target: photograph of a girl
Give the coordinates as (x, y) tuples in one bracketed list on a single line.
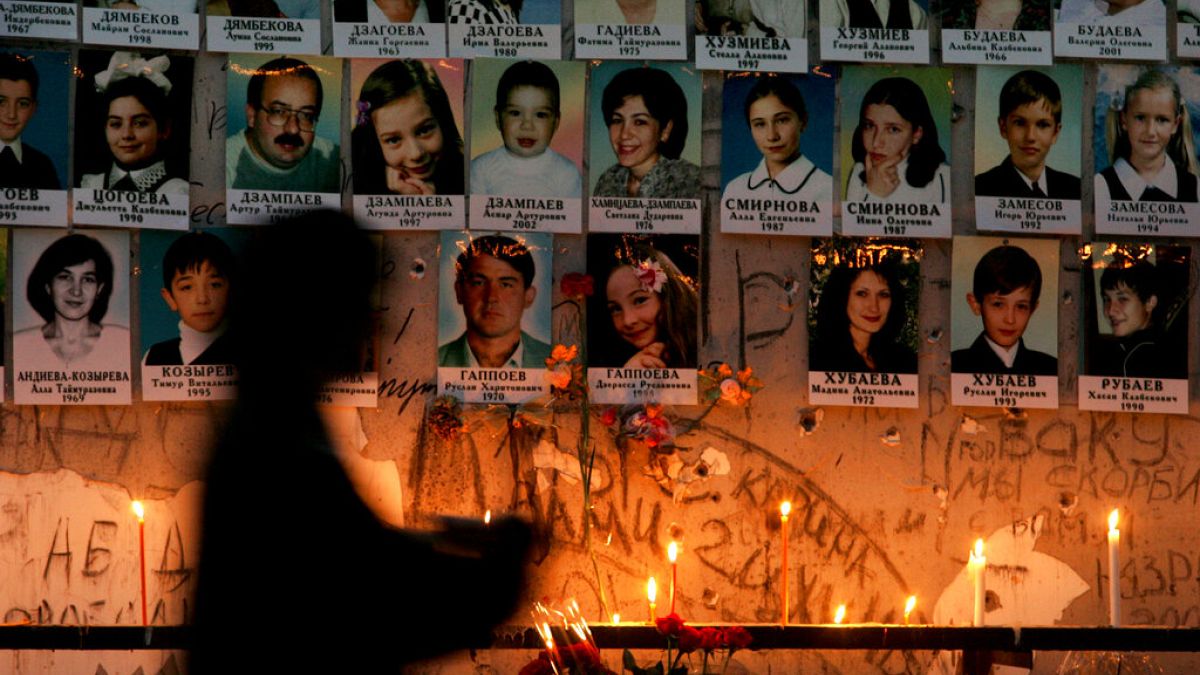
[(1113, 12), (1148, 138), (646, 112), (132, 144), (754, 18), (777, 117), (389, 11), (645, 310), (895, 147), (996, 14), (484, 11), (69, 288), (406, 139), (268, 9), (864, 311)]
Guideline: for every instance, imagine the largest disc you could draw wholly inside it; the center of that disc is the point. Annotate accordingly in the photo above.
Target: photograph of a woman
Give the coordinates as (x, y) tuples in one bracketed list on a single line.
[(406, 138), (69, 290), (646, 113), (630, 12), (778, 120), (864, 308), (645, 310), (895, 146), (996, 14), (1148, 136), (133, 106), (389, 11)]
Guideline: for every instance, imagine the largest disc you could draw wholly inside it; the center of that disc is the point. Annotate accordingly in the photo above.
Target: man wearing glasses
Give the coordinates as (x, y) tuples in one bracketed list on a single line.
[(279, 150)]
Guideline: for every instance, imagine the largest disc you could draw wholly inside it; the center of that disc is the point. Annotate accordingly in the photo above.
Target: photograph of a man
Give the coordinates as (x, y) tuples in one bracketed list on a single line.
[(1030, 121), (21, 164), (495, 293), (1005, 290), (282, 148)]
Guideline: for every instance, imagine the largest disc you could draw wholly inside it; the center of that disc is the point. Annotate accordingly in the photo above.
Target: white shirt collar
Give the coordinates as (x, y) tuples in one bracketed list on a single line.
[(1041, 181), (1166, 179), (514, 361), (1008, 356), (145, 178), (789, 181), (16, 147), (192, 342)]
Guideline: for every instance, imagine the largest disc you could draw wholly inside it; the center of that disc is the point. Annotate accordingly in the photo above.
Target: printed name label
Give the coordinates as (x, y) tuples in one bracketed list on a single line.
[(360, 390), (896, 219), (1004, 391), (189, 383), (1146, 219), (776, 216), (1041, 215), (998, 47), (764, 54), (129, 208), (1131, 43), (634, 41), (1187, 40), (636, 214), (395, 40), (31, 206), (526, 214), (265, 36), (872, 390), (134, 28), (674, 386), (265, 207), (492, 385), (875, 45), (519, 41), (48, 20), (1133, 394), (72, 387), (403, 212)]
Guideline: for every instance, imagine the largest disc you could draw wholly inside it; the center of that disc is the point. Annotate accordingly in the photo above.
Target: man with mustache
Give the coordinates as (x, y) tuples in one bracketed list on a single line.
[(279, 150)]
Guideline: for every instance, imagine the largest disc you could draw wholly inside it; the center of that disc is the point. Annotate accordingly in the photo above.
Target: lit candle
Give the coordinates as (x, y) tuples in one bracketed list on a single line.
[(977, 567), (487, 517), (616, 618), (908, 607), (651, 595), (785, 509), (672, 555), (140, 512), (1114, 569), (840, 614)]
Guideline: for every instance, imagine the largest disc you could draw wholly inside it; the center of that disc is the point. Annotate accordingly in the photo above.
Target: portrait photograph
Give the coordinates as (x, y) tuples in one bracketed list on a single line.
[(33, 119), (910, 14), (863, 303), (657, 12), (494, 295), (645, 310), (1111, 12), (997, 15), (1135, 321), (406, 134), (165, 6), (503, 11), (284, 123), (527, 128), (895, 140), (266, 9), (777, 137), (71, 308), (389, 11), (644, 130), (1027, 131), (1004, 306), (133, 121), (1145, 140), (4, 301)]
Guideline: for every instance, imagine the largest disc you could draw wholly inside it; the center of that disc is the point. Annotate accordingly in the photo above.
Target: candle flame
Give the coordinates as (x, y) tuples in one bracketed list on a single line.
[(672, 552), (909, 605), (840, 614), (785, 509), (140, 511), (651, 589), (978, 553), (616, 618), (1114, 519), (487, 517)]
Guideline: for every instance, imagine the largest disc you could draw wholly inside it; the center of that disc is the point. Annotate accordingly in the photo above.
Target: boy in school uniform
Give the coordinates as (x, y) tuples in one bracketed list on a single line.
[(21, 164), (196, 272), (1030, 121)]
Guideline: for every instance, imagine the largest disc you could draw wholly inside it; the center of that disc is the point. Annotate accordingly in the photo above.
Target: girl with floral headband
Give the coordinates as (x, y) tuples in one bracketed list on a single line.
[(136, 115), (652, 310)]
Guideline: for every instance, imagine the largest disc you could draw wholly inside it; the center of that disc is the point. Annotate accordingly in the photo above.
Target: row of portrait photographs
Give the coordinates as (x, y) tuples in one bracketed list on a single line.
[(729, 34), (71, 314)]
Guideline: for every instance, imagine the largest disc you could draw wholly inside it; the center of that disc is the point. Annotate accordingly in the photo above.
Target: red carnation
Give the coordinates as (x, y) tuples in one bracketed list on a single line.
[(669, 625), (539, 666), (574, 284), (736, 637), (690, 639), (710, 639)]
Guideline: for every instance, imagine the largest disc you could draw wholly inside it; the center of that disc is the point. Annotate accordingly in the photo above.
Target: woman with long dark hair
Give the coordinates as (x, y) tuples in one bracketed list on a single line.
[(897, 157), (860, 320)]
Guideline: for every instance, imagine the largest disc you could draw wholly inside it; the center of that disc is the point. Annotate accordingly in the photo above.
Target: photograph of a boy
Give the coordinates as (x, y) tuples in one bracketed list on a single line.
[(1030, 121), (1148, 136), (1139, 324), (527, 114), (1005, 291), (197, 272), (21, 164), (908, 14)]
